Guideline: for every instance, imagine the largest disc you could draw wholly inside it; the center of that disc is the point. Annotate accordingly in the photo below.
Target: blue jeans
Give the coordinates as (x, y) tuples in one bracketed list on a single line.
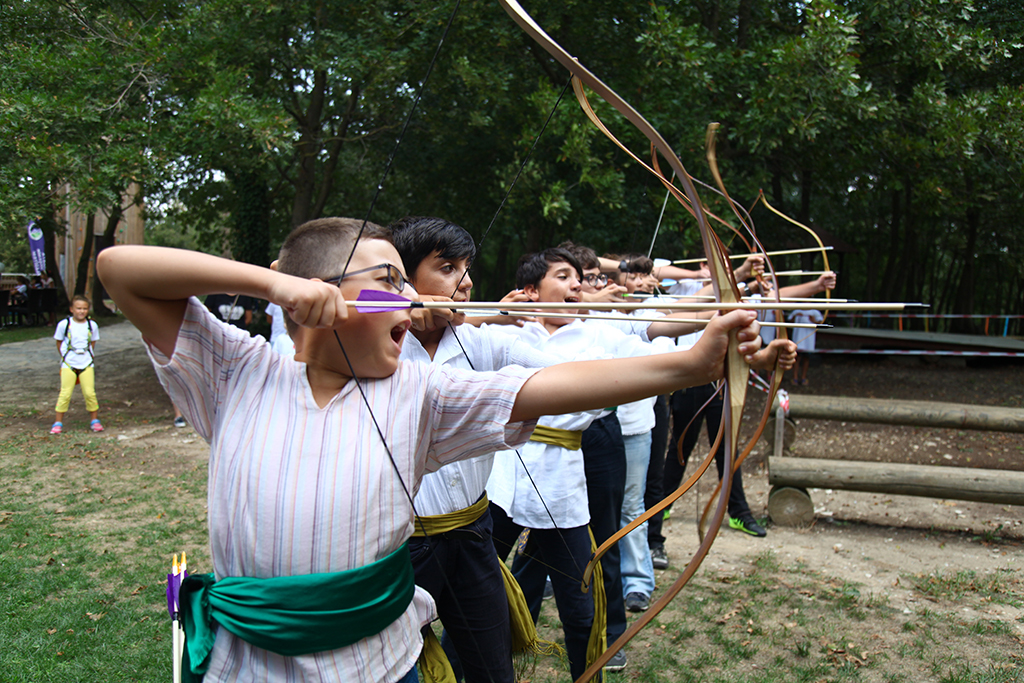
[(410, 677), (635, 563)]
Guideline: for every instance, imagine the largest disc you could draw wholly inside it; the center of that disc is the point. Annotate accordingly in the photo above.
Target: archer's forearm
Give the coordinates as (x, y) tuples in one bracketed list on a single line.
[(804, 289), (676, 273), (592, 385), (151, 285), (164, 274), (671, 329)]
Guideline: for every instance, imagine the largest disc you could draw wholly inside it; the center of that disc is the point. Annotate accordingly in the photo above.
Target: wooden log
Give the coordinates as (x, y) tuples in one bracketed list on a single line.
[(929, 481), (917, 413), (790, 506)]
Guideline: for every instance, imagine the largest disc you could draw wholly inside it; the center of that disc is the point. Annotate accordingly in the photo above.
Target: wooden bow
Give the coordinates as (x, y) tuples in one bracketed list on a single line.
[(724, 287), (777, 372), (821, 247)]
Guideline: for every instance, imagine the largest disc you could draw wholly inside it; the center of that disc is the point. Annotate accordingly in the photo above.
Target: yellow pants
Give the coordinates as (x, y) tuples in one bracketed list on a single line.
[(68, 379)]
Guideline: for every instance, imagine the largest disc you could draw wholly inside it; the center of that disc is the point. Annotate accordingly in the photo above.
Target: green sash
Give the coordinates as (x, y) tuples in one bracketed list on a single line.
[(293, 615)]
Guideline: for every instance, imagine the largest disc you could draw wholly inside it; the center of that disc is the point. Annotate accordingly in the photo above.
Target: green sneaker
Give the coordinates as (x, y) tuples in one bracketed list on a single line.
[(748, 525)]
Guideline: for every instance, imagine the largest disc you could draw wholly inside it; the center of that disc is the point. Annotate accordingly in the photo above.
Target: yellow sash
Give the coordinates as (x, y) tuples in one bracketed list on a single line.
[(599, 631), (557, 437), (433, 525)]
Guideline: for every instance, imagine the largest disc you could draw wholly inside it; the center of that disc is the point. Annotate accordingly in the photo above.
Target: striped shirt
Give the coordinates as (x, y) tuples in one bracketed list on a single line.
[(298, 489)]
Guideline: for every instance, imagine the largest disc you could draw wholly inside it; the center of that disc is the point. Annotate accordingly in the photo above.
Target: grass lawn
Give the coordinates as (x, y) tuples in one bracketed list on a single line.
[(88, 526)]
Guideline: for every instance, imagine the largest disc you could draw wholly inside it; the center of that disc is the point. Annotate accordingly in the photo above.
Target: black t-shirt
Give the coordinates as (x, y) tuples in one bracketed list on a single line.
[(231, 308)]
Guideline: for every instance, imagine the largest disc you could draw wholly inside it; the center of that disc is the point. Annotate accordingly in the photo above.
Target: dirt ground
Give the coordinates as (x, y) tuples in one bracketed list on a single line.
[(873, 539), (867, 539)]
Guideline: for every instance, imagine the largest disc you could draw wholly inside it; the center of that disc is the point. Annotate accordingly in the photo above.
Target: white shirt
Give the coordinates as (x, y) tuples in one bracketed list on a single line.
[(805, 338), (637, 417), (277, 328), (76, 341), (298, 489), (458, 485), (687, 288), (551, 478)]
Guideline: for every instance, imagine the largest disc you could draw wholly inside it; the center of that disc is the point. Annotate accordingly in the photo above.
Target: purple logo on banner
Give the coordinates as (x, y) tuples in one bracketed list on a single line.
[(35, 246)]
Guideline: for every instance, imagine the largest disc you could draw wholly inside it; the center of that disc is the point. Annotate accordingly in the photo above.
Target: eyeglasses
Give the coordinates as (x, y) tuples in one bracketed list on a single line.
[(393, 276), (594, 280)]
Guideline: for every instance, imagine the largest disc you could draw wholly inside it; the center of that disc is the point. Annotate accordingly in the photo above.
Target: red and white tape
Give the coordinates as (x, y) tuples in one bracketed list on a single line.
[(919, 352)]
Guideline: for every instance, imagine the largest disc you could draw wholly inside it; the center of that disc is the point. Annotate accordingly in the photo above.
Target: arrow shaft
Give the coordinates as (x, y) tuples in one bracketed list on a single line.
[(540, 306), (783, 252)]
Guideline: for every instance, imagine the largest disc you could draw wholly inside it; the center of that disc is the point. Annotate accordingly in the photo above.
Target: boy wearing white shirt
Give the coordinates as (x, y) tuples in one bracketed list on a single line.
[(452, 552), (544, 488)]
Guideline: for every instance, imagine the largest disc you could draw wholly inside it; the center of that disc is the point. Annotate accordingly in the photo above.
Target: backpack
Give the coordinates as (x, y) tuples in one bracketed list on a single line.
[(88, 341)]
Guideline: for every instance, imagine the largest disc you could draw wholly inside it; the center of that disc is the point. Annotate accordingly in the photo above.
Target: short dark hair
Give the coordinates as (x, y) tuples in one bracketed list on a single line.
[(586, 256), (321, 248), (533, 267), (638, 263), (417, 237)]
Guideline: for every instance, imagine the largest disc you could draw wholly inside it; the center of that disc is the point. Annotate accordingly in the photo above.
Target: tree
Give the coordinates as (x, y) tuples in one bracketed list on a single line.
[(69, 141)]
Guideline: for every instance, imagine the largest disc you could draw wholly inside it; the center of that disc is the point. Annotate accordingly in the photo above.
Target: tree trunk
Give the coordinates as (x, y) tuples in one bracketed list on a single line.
[(308, 148), (907, 266), (82, 276), (49, 227), (709, 17), (963, 303), (99, 309), (804, 215), (743, 18), (333, 154), (889, 275), (250, 234)]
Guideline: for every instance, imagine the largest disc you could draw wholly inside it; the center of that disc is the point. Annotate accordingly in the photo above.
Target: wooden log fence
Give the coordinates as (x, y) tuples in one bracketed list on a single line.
[(789, 503)]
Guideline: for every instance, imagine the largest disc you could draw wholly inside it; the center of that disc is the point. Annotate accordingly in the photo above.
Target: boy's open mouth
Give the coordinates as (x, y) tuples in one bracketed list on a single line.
[(572, 299), (399, 330)]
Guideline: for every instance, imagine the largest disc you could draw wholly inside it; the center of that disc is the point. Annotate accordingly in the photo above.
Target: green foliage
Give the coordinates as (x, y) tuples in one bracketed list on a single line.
[(893, 125)]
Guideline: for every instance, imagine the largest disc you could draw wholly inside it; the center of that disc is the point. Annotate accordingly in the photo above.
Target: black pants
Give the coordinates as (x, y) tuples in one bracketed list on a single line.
[(460, 570), (604, 461), (686, 404), (563, 554), (656, 469)]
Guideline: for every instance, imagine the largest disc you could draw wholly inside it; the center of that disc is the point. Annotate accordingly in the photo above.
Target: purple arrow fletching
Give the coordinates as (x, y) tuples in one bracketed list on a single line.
[(172, 595), (371, 295)]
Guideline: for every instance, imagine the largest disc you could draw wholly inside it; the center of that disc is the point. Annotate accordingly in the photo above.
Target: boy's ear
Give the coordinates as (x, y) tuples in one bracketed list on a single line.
[(273, 265), (531, 291)]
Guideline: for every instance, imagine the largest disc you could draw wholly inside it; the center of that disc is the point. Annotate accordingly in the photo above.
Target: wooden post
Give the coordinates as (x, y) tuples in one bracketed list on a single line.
[(780, 431), (930, 481), (790, 506), (916, 413)]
